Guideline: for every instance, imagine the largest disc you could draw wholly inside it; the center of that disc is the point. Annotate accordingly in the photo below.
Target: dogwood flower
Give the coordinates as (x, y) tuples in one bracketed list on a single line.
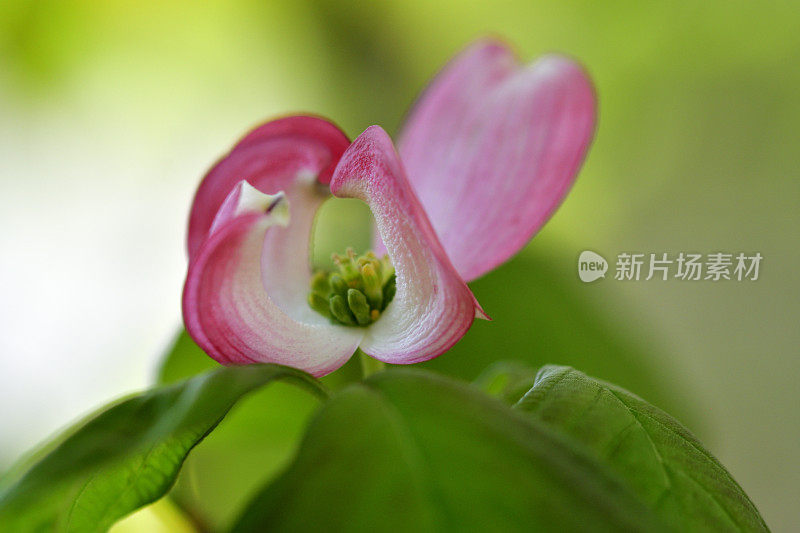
[(485, 157)]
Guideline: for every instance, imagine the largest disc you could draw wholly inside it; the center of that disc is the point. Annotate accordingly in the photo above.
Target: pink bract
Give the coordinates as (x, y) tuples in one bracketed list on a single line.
[(486, 156), (492, 148)]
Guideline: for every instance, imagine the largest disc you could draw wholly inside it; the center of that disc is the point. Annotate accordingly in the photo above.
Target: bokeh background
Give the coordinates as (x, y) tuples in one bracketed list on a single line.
[(111, 111)]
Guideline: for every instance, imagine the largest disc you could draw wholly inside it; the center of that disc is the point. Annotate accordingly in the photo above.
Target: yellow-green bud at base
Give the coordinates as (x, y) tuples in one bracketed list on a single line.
[(320, 304), (357, 292), (320, 283), (359, 306), (341, 311)]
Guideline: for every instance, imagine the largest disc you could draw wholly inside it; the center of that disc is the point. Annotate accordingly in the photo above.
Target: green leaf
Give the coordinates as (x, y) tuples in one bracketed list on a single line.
[(507, 380), (265, 430), (411, 451), (184, 359), (130, 454), (658, 457)]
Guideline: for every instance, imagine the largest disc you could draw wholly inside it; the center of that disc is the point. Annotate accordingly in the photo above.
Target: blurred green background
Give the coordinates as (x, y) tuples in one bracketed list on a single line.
[(111, 111)]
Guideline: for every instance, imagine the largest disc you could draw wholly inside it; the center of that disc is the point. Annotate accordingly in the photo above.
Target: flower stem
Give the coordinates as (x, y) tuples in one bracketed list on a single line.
[(369, 365)]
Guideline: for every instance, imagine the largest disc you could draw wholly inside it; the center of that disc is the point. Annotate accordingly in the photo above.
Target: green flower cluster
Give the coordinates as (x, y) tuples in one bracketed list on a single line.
[(358, 292)]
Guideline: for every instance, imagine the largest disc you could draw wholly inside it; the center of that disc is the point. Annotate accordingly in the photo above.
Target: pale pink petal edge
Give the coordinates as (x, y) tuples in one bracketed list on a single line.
[(231, 317), (433, 307)]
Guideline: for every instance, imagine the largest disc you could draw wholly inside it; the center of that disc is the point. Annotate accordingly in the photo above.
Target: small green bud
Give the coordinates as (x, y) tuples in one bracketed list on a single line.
[(389, 290), (320, 304), (387, 269), (373, 288), (359, 306), (320, 283), (338, 285), (341, 311), (347, 266)]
